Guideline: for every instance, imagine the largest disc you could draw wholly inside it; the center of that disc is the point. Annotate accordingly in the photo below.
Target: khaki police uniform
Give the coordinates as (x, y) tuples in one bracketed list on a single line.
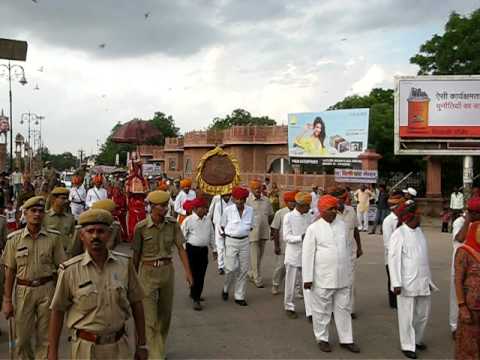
[(97, 304), (76, 247), (155, 246), (63, 223), (3, 241), (35, 263)]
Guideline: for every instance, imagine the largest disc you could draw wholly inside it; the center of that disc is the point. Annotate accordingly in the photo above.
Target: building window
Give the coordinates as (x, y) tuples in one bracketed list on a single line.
[(172, 165), (281, 166), (188, 166)]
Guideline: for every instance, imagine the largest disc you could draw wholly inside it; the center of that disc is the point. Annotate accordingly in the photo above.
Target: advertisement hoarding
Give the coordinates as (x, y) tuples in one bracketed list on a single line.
[(437, 114), (330, 137)]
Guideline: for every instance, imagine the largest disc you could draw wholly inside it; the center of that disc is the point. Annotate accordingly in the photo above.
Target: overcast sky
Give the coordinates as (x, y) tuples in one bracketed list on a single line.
[(198, 59)]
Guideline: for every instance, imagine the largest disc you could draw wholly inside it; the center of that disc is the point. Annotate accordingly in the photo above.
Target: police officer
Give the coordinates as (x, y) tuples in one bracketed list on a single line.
[(3, 241), (57, 218), (31, 257), (116, 229), (97, 291), (153, 244)]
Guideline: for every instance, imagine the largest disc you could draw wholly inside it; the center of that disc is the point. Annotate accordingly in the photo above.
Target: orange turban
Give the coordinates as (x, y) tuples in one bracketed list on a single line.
[(255, 184), (303, 198), (76, 180), (338, 192), (98, 179), (289, 196), (327, 202), (162, 185), (239, 193), (185, 183)]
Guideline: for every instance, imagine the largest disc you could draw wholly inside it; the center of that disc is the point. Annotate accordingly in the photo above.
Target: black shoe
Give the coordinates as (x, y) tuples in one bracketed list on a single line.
[(351, 347), (241, 302), (454, 335), (310, 319), (291, 314), (353, 315), (324, 346), (197, 306), (410, 354), (221, 271), (224, 296), (421, 347), (371, 233)]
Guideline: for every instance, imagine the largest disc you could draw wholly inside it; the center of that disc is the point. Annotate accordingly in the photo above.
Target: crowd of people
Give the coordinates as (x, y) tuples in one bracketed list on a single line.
[(61, 262)]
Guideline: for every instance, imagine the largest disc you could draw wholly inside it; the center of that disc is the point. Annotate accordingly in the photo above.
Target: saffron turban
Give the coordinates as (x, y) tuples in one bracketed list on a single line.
[(474, 204), (255, 184), (396, 199), (407, 211), (289, 196), (239, 193), (188, 205), (76, 180), (198, 202), (327, 202), (338, 192), (303, 198), (162, 185), (98, 179), (185, 183)]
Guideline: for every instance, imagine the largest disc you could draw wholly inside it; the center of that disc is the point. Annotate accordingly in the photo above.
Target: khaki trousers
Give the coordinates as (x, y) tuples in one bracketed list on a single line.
[(257, 248), (158, 285), (87, 350), (32, 315)]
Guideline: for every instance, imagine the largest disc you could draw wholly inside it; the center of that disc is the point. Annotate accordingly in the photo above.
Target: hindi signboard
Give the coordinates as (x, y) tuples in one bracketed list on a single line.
[(328, 137), (151, 170), (437, 115), (356, 176)]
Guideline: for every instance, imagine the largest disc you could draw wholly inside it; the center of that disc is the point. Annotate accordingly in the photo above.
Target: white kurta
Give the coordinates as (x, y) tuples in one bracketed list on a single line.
[(388, 228), (217, 207), (180, 200), (94, 194), (295, 225), (410, 270), (279, 266), (453, 306), (326, 262), (77, 199)]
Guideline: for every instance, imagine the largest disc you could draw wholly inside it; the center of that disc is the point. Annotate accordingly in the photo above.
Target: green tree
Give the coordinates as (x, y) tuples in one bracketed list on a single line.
[(166, 124), (240, 117), (64, 161), (380, 130), (456, 52)]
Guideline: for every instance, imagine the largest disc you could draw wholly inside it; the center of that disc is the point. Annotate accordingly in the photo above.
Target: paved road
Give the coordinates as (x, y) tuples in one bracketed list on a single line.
[(261, 330)]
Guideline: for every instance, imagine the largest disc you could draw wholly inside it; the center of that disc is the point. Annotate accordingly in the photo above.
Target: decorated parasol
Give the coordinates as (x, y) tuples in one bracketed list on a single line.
[(136, 132), (217, 172)]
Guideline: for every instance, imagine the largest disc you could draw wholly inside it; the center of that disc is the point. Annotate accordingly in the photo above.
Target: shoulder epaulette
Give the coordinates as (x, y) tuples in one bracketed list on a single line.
[(118, 253), (78, 227), (141, 223), (170, 219), (116, 222), (71, 261), (54, 231), (16, 232)]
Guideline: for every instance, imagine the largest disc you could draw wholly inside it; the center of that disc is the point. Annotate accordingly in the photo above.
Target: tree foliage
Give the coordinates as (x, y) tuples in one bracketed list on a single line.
[(380, 131), (240, 117), (64, 161), (456, 52)]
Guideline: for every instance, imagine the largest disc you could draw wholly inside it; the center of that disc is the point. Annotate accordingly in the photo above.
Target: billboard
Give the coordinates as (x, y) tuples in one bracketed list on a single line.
[(330, 137), (437, 114)]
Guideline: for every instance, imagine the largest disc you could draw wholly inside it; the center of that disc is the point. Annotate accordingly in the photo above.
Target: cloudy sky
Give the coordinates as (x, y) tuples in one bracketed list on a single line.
[(97, 62)]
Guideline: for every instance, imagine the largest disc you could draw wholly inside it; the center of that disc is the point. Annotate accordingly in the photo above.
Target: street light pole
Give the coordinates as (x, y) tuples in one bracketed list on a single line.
[(29, 117)]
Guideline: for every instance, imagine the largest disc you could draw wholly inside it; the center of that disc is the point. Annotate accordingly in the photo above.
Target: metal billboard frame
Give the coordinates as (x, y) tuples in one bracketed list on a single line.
[(401, 147)]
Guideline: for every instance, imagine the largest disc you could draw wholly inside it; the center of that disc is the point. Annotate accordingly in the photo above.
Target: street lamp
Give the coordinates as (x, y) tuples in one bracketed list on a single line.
[(19, 73), (29, 117)]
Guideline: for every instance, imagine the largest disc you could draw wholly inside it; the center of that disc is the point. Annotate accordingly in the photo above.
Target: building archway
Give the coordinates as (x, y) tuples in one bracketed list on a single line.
[(280, 166)]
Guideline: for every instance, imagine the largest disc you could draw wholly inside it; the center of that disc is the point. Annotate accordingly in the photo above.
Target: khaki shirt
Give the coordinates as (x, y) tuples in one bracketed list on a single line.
[(262, 209), (64, 223), (32, 259), (155, 242), (97, 300), (3, 232), (76, 247)]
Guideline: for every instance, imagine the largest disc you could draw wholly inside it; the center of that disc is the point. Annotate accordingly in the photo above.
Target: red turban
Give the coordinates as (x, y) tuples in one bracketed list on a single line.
[(327, 202), (255, 184), (289, 196), (198, 202), (474, 204), (185, 183), (162, 185), (188, 205), (98, 179), (239, 193), (407, 211)]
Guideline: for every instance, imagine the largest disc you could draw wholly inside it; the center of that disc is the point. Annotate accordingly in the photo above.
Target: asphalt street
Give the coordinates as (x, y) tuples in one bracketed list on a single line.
[(262, 330)]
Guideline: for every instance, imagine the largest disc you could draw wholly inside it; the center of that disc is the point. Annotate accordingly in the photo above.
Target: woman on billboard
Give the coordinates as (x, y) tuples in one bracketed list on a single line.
[(313, 143)]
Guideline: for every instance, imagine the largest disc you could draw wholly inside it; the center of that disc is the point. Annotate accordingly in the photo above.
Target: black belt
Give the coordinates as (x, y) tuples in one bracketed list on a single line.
[(100, 339), (237, 237)]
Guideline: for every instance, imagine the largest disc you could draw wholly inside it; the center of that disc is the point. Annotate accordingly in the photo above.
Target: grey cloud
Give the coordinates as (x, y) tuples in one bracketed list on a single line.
[(253, 10), (175, 28)]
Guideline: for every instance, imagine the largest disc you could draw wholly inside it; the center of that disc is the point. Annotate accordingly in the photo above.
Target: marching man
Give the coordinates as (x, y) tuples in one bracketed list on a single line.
[(186, 193), (295, 224), (97, 192), (410, 279), (327, 272), (218, 206)]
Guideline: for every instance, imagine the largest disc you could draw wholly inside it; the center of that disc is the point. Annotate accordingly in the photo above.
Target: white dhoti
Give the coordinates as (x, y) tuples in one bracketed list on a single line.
[(413, 313), (352, 288), (237, 262), (220, 244), (291, 280), (279, 269), (453, 306), (326, 301)]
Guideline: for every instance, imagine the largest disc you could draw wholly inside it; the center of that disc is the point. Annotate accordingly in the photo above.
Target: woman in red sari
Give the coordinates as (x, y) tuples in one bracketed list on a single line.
[(467, 287)]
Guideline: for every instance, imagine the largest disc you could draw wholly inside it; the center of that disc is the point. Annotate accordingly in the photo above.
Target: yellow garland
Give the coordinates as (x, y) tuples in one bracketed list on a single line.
[(213, 189)]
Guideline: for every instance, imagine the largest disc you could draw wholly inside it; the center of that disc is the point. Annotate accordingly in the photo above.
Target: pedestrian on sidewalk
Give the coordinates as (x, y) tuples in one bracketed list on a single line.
[(382, 209)]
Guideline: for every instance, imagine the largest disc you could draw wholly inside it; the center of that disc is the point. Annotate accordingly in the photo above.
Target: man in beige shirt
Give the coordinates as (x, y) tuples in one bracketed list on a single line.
[(363, 196), (263, 212)]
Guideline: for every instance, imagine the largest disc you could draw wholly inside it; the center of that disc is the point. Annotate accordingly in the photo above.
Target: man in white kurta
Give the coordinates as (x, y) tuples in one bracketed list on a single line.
[(263, 212), (186, 193), (326, 271), (237, 222), (410, 278), (349, 217), (389, 226), (459, 231), (277, 237), (96, 193), (215, 213), (295, 225), (77, 197)]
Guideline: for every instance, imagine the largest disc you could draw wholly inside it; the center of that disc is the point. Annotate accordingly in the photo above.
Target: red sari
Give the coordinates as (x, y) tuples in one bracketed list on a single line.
[(120, 213)]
